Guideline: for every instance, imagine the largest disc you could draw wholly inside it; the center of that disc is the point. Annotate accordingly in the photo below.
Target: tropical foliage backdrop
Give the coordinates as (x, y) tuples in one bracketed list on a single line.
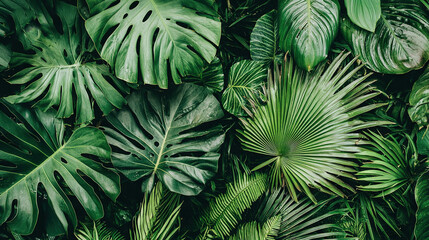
[(203, 119)]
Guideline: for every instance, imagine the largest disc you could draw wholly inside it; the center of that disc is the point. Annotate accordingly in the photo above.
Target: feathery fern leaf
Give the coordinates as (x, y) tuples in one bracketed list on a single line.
[(157, 217), (255, 231), (307, 127), (225, 211), (99, 231)]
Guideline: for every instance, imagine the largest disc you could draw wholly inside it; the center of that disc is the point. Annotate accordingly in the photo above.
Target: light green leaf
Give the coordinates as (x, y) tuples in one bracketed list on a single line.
[(400, 42), (61, 67), (264, 40), (419, 100), (306, 131), (422, 215), (364, 13), (154, 39), (34, 153), (170, 136), (245, 83), (307, 29)]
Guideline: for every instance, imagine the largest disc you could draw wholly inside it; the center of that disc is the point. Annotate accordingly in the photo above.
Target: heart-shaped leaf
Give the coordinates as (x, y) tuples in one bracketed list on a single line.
[(419, 100), (400, 42), (168, 135), (307, 29), (33, 152), (364, 13), (153, 39), (61, 65)]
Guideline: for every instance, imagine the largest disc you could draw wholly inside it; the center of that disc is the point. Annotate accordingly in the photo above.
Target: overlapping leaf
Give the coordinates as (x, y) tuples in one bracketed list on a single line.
[(212, 77), (61, 64), (154, 39), (33, 153), (419, 100), (264, 40), (400, 42), (307, 29), (170, 136), (422, 215), (364, 13), (245, 86)]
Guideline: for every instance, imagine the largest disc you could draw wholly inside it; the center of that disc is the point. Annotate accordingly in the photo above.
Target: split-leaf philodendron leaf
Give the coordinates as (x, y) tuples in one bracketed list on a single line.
[(154, 39), (400, 42), (170, 136), (60, 63), (34, 152), (307, 29)]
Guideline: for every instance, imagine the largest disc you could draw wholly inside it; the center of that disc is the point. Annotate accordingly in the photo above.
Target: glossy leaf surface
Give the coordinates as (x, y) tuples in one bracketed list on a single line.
[(307, 29), (400, 42), (364, 13)]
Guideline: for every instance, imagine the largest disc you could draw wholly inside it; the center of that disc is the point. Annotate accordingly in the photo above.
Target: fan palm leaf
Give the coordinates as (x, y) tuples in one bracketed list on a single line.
[(308, 128)]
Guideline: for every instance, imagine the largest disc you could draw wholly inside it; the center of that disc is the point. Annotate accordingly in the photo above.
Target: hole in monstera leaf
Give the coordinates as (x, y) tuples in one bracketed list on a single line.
[(43, 59), (58, 24), (184, 25), (125, 16), (128, 31), (64, 161), (118, 150), (165, 156), (107, 34), (7, 164), (78, 49), (138, 45), (114, 4), (14, 209), (134, 4), (156, 144), (65, 53), (146, 17), (168, 19), (169, 145)]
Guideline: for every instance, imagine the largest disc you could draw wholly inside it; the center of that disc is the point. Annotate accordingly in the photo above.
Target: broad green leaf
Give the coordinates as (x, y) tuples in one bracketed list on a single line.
[(170, 136), (62, 66), (419, 100), (400, 42), (423, 142), (212, 77), (264, 40), (154, 39), (422, 215), (5, 52), (307, 29), (34, 152), (364, 13), (245, 82), (5, 55)]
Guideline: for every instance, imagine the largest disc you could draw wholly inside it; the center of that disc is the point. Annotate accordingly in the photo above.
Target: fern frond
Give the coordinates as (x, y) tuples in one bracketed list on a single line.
[(157, 217), (224, 212), (255, 231), (99, 231)]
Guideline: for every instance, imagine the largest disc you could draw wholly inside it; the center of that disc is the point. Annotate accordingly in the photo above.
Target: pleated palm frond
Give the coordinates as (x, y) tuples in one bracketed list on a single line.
[(256, 231), (99, 231), (158, 216), (303, 219), (387, 166), (308, 127), (225, 211)]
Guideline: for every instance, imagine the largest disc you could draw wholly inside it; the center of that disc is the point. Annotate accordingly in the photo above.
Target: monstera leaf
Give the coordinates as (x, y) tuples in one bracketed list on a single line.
[(264, 40), (245, 82), (61, 65), (168, 135), (364, 13), (307, 29), (400, 42), (419, 100), (154, 39), (35, 153), (5, 52), (422, 199)]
